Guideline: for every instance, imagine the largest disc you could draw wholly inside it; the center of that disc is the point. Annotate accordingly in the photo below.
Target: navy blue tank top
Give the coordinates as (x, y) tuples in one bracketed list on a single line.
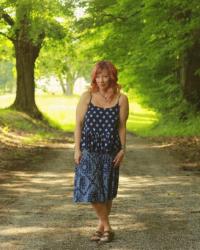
[(100, 129)]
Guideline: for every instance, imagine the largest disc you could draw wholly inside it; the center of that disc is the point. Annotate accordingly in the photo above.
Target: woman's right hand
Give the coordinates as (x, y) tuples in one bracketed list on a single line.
[(77, 156)]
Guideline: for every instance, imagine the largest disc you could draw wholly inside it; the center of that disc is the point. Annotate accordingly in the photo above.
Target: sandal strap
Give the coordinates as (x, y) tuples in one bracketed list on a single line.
[(108, 232), (98, 233), (107, 236), (96, 236)]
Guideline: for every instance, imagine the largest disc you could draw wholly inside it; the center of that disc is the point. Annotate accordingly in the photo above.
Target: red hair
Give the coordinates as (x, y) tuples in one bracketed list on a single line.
[(112, 72)]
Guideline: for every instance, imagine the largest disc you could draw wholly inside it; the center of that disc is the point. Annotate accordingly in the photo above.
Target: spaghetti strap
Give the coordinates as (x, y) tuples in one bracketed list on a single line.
[(90, 98), (118, 99)]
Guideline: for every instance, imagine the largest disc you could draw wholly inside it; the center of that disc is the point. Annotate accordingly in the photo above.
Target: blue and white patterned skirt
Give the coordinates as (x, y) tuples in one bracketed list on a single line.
[(96, 179)]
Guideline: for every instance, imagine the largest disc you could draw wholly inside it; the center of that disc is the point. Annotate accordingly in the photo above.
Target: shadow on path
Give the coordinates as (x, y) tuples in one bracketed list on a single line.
[(157, 207)]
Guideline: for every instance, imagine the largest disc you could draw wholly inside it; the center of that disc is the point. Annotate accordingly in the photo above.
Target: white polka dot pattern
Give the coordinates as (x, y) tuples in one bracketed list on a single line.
[(100, 129)]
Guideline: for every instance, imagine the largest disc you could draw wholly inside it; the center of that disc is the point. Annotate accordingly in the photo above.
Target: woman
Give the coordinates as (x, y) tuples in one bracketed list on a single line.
[(100, 138)]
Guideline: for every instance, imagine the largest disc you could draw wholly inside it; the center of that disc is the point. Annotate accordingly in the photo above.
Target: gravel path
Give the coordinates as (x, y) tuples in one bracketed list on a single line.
[(157, 208)]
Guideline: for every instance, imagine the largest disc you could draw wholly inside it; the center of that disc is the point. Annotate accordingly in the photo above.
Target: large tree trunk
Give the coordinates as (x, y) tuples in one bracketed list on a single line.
[(70, 88), (70, 79), (62, 84), (66, 84), (190, 81), (26, 53)]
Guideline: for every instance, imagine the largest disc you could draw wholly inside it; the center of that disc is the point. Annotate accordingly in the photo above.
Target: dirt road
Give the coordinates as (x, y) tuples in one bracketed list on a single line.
[(158, 204)]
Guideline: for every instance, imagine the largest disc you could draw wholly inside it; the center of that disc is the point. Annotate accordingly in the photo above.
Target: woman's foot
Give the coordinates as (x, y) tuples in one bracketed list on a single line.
[(107, 236), (98, 233), (96, 236)]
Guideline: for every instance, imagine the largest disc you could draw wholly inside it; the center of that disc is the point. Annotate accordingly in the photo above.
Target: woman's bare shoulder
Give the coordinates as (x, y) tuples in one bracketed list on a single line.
[(123, 98), (85, 97)]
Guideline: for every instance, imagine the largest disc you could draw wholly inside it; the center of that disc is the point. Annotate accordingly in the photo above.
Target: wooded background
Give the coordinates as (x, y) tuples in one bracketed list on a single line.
[(154, 44)]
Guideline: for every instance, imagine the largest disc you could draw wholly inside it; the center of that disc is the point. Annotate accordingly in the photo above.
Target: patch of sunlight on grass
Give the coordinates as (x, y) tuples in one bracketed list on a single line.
[(175, 127), (17, 127), (6, 100), (59, 109), (33, 138), (18, 120), (140, 119)]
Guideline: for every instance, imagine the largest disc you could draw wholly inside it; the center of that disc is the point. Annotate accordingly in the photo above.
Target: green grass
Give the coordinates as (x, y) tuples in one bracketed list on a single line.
[(140, 119), (172, 126), (6, 100), (20, 128), (60, 112)]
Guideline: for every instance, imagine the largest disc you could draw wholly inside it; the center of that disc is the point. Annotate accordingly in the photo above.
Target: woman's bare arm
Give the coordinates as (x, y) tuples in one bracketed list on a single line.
[(123, 116), (80, 113)]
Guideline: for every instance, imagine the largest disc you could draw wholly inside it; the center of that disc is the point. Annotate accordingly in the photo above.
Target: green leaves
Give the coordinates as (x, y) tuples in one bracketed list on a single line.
[(34, 18), (145, 39)]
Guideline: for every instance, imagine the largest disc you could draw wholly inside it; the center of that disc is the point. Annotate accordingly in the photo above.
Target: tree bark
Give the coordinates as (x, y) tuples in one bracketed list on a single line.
[(62, 84), (70, 79), (66, 84), (69, 90), (190, 81), (26, 54)]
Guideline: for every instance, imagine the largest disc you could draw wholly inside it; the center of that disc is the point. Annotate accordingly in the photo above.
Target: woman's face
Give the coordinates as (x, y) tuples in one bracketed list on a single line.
[(103, 80)]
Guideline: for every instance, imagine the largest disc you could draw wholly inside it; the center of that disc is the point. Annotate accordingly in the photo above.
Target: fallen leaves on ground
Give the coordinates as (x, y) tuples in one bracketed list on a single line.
[(186, 149)]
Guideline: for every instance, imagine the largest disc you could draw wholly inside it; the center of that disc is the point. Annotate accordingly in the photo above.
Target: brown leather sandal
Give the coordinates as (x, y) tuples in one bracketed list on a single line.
[(96, 236), (107, 236)]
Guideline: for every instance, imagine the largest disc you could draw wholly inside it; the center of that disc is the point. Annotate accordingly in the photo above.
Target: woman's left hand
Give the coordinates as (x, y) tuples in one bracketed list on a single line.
[(118, 158)]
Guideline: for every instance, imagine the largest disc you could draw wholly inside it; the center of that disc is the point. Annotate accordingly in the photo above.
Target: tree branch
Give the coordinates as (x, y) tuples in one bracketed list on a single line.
[(117, 18), (123, 18), (8, 19), (10, 38)]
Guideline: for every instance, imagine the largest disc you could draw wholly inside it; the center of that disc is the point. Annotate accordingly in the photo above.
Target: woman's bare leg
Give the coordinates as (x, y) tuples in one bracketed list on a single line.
[(109, 206), (102, 212)]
